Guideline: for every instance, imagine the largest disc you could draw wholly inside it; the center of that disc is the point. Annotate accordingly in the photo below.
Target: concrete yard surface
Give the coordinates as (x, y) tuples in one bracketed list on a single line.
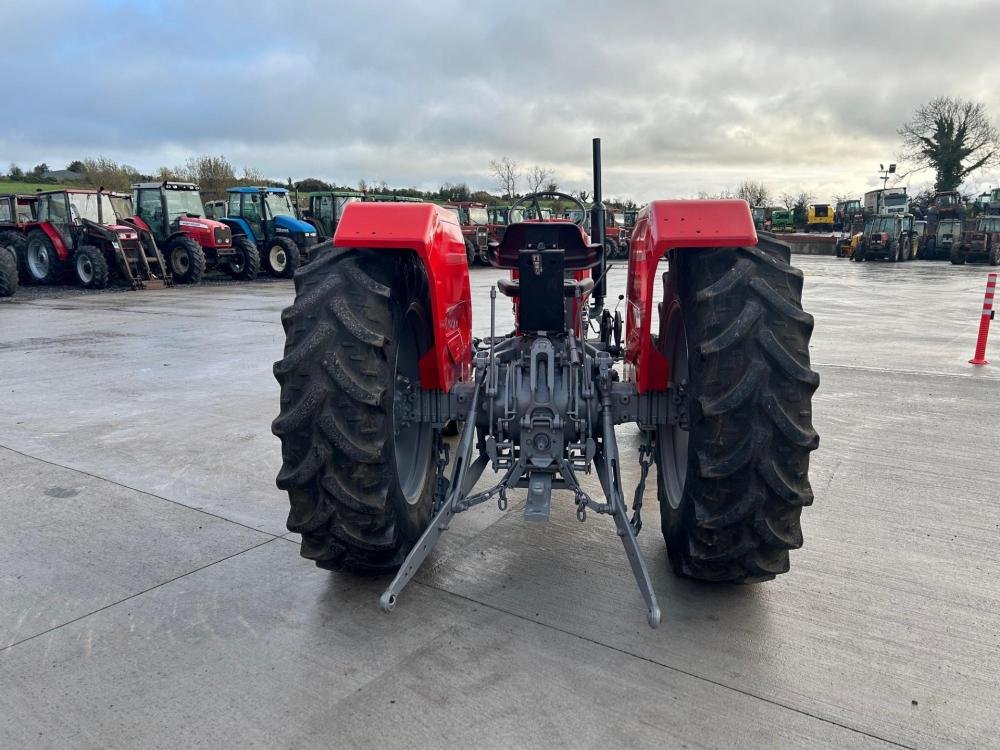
[(152, 595)]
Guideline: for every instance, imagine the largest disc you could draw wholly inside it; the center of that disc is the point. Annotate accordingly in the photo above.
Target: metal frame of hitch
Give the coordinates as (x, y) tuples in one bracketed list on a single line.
[(466, 472)]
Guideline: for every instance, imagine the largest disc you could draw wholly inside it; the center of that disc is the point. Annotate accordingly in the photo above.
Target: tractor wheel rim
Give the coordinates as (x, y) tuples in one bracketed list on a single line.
[(38, 262), (238, 263), (277, 258), (180, 262), (674, 446), (411, 442), (85, 269)]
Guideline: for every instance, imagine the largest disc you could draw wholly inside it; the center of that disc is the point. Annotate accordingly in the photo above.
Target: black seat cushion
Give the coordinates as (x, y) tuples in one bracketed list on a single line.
[(552, 234)]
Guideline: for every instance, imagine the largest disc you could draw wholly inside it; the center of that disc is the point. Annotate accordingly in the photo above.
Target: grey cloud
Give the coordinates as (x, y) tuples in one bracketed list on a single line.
[(688, 97)]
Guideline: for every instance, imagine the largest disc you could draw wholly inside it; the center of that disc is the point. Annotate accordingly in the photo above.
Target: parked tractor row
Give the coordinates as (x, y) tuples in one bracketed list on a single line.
[(160, 234), (900, 237)]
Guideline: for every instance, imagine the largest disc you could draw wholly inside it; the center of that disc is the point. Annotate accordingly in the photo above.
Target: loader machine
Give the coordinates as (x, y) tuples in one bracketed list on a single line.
[(379, 356)]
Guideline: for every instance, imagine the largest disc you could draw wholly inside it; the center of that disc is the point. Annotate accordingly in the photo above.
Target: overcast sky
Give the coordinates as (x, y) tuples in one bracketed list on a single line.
[(688, 96)]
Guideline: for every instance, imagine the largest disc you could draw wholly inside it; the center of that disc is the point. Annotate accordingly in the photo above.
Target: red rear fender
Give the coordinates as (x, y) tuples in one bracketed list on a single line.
[(434, 235), (661, 227), (57, 241)]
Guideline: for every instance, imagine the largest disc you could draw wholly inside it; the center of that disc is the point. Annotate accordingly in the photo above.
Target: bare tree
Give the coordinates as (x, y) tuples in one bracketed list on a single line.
[(109, 174), (506, 174), (583, 195), (753, 192), (253, 176), (552, 186), (724, 193), (537, 177), (954, 137), (787, 200)]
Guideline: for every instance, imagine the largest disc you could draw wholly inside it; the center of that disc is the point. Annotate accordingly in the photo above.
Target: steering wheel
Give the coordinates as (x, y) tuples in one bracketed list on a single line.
[(533, 197)]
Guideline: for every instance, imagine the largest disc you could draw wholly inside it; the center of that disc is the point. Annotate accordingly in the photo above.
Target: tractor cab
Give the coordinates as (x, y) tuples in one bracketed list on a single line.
[(947, 204), (845, 213), (993, 201), (500, 218), (265, 215), (782, 219), (324, 209), (474, 218), (17, 210)]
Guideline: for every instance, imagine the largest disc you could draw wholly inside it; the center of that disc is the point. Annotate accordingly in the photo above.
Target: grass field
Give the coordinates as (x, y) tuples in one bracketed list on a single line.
[(13, 186)]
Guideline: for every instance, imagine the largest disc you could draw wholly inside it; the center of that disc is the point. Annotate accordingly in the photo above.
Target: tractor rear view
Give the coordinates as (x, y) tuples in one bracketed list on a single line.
[(379, 357)]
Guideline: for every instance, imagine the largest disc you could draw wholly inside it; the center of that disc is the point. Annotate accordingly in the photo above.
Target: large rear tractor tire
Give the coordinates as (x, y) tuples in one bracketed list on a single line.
[(186, 259), (41, 259), (359, 481), (470, 253), (19, 244), (282, 257), (8, 271), (90, 267), (994, 256), (732, 485), (245, 265)]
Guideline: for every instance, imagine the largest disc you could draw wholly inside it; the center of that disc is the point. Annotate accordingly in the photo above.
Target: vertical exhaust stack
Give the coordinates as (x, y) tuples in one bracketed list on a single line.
[(597, 230)]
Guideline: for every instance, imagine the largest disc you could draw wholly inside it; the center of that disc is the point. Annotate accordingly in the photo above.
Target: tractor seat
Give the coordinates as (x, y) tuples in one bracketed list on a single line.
[(512, 288), (562, 235)]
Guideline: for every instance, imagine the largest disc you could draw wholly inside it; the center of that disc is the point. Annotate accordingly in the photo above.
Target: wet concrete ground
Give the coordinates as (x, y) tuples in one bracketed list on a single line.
[(151, 596)]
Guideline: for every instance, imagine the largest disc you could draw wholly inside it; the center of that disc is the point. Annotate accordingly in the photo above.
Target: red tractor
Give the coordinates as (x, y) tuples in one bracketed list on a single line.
[(980, 242), (379, 357), (173, 212), (616, 234), (77, 230), (16, 213), (474, 220)]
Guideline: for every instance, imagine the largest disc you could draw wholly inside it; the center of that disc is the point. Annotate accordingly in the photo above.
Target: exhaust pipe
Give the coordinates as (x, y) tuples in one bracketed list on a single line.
[(597, 230)]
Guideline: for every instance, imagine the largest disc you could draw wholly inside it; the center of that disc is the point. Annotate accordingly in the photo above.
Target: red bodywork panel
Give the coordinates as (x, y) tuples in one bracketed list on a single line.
[(660, 227), (434, 234), (139, 222), (202, 231), (57, 241)]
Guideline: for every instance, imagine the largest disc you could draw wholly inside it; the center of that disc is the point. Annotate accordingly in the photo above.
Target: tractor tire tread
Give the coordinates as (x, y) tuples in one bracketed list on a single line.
[(751, 429), (99, 264), (196, 253), (335, 422), (8, 271)]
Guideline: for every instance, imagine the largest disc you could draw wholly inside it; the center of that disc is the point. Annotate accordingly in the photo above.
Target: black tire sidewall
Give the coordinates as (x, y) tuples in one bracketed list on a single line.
[(98, 263), (55, 265)]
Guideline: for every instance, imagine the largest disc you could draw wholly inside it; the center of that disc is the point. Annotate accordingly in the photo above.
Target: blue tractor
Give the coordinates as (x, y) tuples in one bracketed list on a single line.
[(266, 216)]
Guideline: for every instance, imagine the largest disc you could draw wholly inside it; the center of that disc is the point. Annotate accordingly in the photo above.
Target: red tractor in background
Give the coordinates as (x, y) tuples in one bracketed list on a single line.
[(77, 230), (499, 218), (474, 220), (173, 212), (16, 213), (616, 234), (379, 357), (980, 242)]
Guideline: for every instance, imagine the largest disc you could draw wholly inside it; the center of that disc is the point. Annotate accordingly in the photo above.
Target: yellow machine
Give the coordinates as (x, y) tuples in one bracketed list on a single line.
[(819, 217)]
